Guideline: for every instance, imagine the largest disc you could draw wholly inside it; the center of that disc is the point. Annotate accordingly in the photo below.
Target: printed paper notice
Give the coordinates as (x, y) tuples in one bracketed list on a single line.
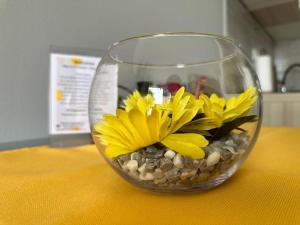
[(104, 98), (70, 81)]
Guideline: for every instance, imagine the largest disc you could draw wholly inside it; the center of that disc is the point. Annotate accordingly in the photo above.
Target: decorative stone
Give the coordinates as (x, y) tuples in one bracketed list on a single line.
[(207, 149), (136, 156), (224, 166), (241, 151), (132, 165), (213, 159), (226, 155), (210, 168), (202, 176), (245, 141), (124, 166), (159, 154), (146, 176), (172, 175), (161, 180), (212, 148), (238, 154), (187, 174), (230, 148), (117, 163), (150, 149), (170, 154), (178, 161), (124, 158), (134, 174), (166, 164), (217, 144), (150, 165), (230, 143), (188, 162), (158, 173), (202, 165), (196, 163), (152, 152), (120, 162), (158, 165), (235, 137), (142, 168)]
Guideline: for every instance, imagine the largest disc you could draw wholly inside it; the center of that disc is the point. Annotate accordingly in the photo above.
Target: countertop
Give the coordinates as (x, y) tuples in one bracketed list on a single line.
[(42, 185)]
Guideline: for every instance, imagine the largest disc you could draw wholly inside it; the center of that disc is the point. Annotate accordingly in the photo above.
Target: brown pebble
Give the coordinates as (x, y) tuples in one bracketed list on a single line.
[(166, 164)]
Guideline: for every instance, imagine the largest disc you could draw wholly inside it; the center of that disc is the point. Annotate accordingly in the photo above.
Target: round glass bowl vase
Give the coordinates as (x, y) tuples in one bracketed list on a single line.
[(175, 112)]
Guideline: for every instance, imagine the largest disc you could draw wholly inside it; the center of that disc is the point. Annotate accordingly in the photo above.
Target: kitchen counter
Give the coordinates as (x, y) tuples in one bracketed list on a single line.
[(281, 109), (283, 96)]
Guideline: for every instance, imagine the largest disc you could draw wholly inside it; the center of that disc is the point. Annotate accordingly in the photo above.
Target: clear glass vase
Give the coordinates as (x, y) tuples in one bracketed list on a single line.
[(192, 122)]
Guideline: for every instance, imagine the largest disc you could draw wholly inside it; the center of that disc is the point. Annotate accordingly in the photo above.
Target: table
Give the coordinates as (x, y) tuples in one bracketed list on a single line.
[(43, 186)]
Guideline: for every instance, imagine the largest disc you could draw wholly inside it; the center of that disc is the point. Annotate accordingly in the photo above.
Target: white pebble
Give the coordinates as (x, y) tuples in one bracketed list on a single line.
[(229, 142), (241, 151), (133, 155), (178, 161), (124, 166), (231, 149), (134, 174), (132, 165), (213, 159), (170, 154), (142, 168), (147, 176)]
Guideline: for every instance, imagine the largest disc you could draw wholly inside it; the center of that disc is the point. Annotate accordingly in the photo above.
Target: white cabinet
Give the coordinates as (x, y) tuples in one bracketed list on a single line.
[(281, 110)]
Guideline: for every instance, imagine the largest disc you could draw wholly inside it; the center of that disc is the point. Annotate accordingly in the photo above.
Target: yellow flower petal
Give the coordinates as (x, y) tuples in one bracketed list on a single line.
[(164, 124), (136, 101), (116, 124), (192, 138), (180, 108), (139, 121), (203, 124), (111, 135), (240, 105), (214, 99), (178, 96), (153, 125), (109, 140), (124, 117), (185, 118), (112, 151), (186, 144)]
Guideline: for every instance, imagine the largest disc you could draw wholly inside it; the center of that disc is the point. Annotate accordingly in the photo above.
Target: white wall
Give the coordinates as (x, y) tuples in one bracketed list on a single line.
[(29, 27), (245, 30)]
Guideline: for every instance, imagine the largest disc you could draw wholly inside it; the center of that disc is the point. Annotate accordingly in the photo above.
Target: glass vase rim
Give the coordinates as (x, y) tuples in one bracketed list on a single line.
[(174, 34)]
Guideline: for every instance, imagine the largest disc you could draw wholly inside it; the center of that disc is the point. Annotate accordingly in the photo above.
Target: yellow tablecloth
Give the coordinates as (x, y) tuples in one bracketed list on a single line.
[(43, 185)]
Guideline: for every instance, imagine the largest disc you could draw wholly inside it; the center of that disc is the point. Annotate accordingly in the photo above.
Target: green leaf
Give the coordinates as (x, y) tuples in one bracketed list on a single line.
[(226, 128), (196, 131), (240, 129)]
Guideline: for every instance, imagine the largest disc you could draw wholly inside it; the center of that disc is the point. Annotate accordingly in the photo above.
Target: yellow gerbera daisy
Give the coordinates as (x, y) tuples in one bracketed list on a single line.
[(137, 101), (239, 106), (143, 123), (217, 111)]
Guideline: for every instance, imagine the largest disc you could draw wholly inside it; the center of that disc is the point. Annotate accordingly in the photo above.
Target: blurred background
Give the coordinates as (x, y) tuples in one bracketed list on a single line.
[(268, 31)]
